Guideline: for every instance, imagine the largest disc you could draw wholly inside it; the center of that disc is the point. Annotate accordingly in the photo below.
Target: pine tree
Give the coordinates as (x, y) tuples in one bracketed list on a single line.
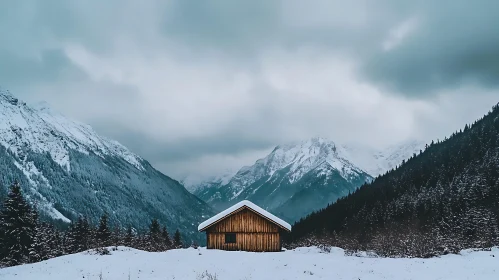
[(59, 247), (37, 251), (167, 243), (103, 233), (3, 239), (17, 221), (129, 237), (53, 241), (154, 236), (116, 237), (177, 241), (87, 233), (71, 239), (46, 243), (79, 236)]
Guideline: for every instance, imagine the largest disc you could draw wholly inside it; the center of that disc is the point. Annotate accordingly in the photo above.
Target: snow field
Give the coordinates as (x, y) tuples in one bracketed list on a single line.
[(301, 263)]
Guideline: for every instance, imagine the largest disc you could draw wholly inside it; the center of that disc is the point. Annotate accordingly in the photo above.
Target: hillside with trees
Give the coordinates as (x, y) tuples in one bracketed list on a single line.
[(68, 170), (25, 238), (442, 200)]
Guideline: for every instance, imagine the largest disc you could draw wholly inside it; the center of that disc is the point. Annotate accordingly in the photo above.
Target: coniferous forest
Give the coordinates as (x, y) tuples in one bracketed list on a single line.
[(24, 238), (442, 200)]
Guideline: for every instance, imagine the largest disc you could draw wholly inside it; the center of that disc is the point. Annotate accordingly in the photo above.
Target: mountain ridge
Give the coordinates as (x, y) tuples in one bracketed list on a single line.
[(275, 179), (439, 201), (68, 170), (374, 162)]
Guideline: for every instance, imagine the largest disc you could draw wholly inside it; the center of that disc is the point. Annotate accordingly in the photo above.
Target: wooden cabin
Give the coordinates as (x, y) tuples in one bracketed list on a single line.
[(245, 227)]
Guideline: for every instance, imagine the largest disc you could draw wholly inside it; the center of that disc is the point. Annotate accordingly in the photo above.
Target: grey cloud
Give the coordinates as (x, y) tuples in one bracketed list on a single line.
[(30, 52), (227, 24), (259, 127), (228, 143), (454, 44), (457, 43), (51, 65)]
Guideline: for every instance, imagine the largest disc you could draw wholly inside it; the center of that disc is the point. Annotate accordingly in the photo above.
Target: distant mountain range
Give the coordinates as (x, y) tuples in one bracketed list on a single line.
[(296, 179), (194, 183), (68, 170)]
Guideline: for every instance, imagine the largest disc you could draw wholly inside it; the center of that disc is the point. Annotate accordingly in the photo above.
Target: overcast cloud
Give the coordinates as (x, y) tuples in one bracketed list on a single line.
[(201, 86)]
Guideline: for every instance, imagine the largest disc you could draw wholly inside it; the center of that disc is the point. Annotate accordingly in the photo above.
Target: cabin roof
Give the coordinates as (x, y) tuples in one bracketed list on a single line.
[(248, 204)]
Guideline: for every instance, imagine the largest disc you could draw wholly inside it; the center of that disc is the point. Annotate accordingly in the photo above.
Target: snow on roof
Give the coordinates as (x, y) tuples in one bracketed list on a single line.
[(235, 207)]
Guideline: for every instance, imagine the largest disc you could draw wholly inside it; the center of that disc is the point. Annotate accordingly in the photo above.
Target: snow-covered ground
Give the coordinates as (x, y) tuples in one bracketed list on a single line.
[(302, 263)]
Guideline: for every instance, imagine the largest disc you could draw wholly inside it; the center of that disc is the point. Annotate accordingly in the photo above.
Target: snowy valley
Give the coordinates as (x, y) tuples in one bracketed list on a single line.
[(68, 171), (300, 263), (249, 140)]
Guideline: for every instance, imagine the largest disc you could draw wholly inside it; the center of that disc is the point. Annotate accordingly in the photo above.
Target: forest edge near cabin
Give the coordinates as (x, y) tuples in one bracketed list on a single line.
[(245, 227)]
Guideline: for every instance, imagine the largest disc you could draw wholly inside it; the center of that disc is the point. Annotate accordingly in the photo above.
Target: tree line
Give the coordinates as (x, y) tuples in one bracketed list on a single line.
[(24, 238), (442, 200)]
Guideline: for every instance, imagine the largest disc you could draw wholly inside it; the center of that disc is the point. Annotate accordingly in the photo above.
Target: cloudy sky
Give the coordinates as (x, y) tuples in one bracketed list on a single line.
[(197, 87)]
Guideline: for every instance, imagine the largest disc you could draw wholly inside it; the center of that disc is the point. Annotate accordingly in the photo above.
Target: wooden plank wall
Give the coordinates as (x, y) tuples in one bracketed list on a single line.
[(253, 233), (255, 242)]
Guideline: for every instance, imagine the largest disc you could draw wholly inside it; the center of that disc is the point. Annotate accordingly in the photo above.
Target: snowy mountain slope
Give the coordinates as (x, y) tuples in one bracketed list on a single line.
[(376, 162), (46, 131), (288, 175), (295, 179), (67, 169), (194, 183), (301, 263), (373, 161)]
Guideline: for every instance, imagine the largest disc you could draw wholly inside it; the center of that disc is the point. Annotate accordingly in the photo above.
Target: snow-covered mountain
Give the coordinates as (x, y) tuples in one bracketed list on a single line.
[(376, 162), (192, 183), (291, 181), (67, 169), (297, 178)]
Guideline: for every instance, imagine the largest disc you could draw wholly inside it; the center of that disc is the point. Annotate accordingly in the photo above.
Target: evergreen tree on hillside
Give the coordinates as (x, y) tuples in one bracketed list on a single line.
[(18, 224), (129, 237), (154, 228), (38, 245), (155, 236), (3, 239), (167, 243), (80, 236), (177, 240), (52, 239), (441, 201), (70, 240), (116, 237), (103, 233), (88, 235), (25, 239), (46, 243)]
